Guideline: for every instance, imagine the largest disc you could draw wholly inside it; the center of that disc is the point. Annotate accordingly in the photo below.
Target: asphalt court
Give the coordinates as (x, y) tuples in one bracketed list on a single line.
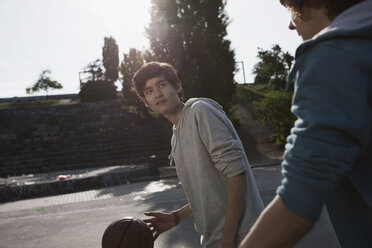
[(41, 222)]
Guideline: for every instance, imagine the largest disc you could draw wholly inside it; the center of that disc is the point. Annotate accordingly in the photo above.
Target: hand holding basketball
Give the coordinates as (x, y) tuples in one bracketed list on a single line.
[(160, 222)]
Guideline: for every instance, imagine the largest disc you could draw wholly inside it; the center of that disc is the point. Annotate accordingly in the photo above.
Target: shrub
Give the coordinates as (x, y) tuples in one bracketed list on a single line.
[(274, 109), (97, 91)]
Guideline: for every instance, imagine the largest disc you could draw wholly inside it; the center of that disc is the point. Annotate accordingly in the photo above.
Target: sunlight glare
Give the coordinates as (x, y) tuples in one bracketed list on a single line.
[(158, 186)]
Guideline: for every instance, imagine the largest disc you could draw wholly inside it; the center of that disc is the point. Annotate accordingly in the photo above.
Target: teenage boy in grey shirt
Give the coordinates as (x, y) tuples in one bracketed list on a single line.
[(210, 161)]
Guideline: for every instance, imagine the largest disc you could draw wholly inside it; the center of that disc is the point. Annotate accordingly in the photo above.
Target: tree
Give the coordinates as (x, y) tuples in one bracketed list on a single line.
[(132, 61), (93, 91), (100, 83), (110, 58), (273, 67), (94, 72), (44, 83), (94, 87), (190, 35)]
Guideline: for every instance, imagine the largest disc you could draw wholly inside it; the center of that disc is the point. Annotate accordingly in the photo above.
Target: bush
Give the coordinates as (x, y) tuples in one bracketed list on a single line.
[(93, 91), (274, 109), (233, 118)]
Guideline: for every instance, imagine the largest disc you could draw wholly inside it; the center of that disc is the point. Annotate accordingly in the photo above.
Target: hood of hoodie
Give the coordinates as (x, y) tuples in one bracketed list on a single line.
[(355, 21)]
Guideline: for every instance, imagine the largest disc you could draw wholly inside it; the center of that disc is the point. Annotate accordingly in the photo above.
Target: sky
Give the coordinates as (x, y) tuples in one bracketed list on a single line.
[(64, 36)]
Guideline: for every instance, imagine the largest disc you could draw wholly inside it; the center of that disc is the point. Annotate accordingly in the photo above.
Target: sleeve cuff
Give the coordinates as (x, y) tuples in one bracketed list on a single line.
[(301, 199), (231, 169)]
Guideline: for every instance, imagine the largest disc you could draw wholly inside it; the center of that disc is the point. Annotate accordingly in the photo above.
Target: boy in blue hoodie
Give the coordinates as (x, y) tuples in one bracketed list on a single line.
[(328, 157), (210, 161)]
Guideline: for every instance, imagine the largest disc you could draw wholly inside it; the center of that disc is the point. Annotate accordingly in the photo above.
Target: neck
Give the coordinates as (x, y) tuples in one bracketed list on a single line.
[(175, 115)]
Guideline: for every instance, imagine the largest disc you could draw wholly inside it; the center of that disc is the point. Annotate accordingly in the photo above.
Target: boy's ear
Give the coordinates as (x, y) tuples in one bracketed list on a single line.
[(178, 87), (143, 99)]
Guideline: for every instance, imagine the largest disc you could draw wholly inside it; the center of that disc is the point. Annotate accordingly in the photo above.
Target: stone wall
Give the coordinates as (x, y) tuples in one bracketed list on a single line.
[(81, 135)]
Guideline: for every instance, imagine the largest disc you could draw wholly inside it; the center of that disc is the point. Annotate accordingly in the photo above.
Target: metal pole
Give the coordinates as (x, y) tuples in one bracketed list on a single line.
[(244, 73), (243, 70)]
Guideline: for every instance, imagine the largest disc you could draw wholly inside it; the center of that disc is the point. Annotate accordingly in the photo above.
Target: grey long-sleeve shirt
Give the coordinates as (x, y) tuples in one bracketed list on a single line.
[(206, 151)]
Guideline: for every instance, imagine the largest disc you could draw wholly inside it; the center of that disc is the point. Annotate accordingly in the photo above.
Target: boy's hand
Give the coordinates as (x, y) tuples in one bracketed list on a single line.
[(160, 222)]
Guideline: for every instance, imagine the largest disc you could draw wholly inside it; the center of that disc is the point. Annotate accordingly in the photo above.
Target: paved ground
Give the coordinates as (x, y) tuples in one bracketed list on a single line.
[(79, 219)]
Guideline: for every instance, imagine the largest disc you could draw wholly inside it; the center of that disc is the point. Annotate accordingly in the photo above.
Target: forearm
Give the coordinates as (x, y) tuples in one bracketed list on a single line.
[(184, 212), (161, 222), (234, 207), (277, 226)]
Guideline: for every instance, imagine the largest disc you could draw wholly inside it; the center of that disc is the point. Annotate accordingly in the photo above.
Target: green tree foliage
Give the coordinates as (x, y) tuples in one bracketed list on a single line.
[(99, 84), (191, 35), (93, 91), (273, 67), (94, 87), (271, 107), (274, 110), (44, 83), (132, 61), (271, 103), (93, 71), (110, 59)]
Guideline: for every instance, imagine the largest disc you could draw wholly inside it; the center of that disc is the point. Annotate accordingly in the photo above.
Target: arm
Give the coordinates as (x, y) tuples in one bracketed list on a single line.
[(220, 139), (226, 151), (277, 226), (235, 198), (184, 212), (161, 222), (332, 130)]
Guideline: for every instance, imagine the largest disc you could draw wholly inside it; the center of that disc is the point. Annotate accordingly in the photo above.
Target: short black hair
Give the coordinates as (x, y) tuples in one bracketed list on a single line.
[(151, 70)]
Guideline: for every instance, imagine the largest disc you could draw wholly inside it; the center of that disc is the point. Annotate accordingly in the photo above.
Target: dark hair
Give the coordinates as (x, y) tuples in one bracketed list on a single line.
[(333, 7), (151, 70)]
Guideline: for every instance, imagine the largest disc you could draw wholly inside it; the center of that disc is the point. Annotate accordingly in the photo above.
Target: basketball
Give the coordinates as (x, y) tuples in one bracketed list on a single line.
[(128, 233)]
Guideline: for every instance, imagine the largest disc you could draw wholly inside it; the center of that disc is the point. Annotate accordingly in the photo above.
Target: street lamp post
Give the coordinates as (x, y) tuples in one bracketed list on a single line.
[(243, 70)]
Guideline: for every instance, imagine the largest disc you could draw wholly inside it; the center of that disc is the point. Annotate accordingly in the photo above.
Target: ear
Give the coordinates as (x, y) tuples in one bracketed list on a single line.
[(143, 99), (178, 87)]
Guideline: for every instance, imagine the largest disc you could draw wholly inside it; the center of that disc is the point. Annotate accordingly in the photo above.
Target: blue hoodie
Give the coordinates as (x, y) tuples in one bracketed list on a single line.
[(328, 157)]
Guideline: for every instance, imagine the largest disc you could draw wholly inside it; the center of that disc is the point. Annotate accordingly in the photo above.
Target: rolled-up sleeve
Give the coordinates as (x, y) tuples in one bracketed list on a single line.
[(332, 129), (217, 135)]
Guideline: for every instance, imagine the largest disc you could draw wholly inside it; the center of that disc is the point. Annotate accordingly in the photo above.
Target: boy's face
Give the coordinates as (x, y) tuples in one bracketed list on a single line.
[(315, 19), (161, 96)]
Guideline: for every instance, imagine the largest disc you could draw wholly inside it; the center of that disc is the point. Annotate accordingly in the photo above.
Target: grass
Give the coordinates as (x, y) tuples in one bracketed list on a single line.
[(251, 93), (5, 105)]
